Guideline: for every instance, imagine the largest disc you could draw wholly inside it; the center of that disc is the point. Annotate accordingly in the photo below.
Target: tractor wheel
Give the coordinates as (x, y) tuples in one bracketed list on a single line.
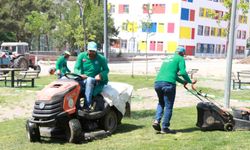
[(73, 132), (109, 121), (33, 132), (21, 62), (38, 68), (228, 127)]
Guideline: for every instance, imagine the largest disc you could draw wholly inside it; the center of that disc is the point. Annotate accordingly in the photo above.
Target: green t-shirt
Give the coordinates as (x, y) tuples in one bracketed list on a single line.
[(91, 68), (171, 66), (61, 64)]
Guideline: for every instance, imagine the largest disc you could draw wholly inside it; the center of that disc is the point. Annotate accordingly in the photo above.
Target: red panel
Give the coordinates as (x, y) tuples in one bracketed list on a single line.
[(145, 8), (152, 45), (192, 15), (193, 33), (190, 50), (121, 9), (170, 28), (160, 46)]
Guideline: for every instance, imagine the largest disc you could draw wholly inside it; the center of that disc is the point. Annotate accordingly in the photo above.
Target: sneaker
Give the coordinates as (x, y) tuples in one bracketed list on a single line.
[(156, 126), (167, 131)]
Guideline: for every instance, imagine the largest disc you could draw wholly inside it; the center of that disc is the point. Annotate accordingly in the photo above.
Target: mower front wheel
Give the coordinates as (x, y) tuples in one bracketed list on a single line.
[(73, 132), (109, 121), (33, 132), (228, 127)]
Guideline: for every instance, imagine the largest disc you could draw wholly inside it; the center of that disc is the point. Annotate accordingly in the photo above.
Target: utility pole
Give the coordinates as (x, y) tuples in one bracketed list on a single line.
[(79, 2), (105, 10), (230, 54)]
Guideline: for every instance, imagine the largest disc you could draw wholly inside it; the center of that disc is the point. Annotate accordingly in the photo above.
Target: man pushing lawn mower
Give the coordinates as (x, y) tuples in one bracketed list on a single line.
[(165, 87)]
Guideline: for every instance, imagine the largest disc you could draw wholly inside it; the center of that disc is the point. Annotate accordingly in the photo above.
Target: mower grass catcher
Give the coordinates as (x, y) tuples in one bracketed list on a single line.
[(58, 112)]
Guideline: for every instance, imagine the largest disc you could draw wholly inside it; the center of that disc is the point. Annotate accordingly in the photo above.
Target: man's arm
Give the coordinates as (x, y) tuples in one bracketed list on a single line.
[(105, 70), (78, 64), (183, 73)]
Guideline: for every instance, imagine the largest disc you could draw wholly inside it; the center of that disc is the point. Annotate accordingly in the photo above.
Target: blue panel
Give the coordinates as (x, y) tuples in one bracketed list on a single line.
[(184, 14), (153, 27), (191, 1)]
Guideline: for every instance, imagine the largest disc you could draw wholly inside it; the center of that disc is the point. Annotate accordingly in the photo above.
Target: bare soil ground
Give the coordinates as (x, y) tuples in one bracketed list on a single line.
[(213, 69)]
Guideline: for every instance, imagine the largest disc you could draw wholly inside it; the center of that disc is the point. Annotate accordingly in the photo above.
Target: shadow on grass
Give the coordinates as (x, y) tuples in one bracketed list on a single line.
[(187, 130), (123, 128)]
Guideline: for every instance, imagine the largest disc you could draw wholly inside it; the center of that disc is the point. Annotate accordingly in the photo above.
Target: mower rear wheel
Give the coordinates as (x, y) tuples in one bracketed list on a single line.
[(73, 132), (33, 132), (109, 121), (228, 127)]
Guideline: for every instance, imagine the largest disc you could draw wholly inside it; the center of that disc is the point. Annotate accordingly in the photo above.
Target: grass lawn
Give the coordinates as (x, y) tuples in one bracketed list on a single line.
[(135, 133)]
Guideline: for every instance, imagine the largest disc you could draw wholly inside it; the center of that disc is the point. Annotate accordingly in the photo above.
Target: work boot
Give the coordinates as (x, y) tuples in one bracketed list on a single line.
[(167, 131), (156, 125)]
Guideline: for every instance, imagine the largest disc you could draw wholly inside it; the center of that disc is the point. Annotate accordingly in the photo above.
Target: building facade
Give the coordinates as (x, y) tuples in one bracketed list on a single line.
[(159, 26)]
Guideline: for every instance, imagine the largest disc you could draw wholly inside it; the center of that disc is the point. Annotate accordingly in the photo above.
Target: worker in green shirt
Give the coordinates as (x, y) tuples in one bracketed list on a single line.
[(172, 67), (61, 64), (94, 69)]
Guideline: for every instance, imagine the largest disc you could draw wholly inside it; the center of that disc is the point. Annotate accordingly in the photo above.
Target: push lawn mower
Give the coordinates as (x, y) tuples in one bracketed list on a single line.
[(57, 111), (211, 116)]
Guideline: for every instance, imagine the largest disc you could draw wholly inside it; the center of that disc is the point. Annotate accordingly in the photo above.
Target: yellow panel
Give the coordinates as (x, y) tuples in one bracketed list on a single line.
[(175, 8), (132, 27), (185, 33), (171, 46), (161, 27), (142, 46), (216, 32), (204, 12)]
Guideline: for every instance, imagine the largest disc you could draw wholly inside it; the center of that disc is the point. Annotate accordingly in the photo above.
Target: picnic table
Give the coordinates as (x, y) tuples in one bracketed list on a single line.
[(12, 74)]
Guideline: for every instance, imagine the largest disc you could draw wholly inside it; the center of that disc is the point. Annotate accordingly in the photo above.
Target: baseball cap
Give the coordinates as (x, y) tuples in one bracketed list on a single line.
[(67, 52), (92, 46), (180, 49)]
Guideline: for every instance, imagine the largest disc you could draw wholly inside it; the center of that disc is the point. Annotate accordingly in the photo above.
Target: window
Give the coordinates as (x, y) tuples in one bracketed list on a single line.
[(158, 8), (200, 30), (160, 46), (149, 27), (152, 45), (112, 9), (192, 15), (161, 27), (124, 26), (207, 31), (201, 13), (175, 8), (146, 8), (219, 32), (212, 31), (243, 34), (123, 9), (124, 44), (238, 34)]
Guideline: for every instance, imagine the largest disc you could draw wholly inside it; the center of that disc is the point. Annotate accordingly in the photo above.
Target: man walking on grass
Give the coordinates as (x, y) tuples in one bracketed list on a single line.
[(165, 86)]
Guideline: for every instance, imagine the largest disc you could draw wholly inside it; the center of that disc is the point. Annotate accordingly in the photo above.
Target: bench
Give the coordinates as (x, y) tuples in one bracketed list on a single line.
[(3, 77), (242, 77), (27, 76)]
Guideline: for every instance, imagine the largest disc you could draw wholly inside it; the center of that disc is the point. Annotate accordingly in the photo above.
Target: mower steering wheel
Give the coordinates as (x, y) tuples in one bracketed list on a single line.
[(75, 76)]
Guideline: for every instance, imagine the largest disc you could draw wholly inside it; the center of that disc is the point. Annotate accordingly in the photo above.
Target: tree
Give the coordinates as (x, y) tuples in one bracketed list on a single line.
[(13, 15)]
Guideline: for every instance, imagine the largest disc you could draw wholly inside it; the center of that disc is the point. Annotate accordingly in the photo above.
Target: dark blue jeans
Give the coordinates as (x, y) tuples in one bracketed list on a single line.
[(87, 87), (166, 95)]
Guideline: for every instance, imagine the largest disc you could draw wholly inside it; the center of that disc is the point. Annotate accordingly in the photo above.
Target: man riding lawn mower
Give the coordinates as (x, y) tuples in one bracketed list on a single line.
[(57, 112)]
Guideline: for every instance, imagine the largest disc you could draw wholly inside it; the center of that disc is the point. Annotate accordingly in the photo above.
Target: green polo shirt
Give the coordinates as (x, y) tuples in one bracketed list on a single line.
[(91, 68), (171, 66), (61, 64)]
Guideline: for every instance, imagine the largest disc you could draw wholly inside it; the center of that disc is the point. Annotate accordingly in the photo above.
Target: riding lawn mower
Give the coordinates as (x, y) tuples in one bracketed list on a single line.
[(58, 111)]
